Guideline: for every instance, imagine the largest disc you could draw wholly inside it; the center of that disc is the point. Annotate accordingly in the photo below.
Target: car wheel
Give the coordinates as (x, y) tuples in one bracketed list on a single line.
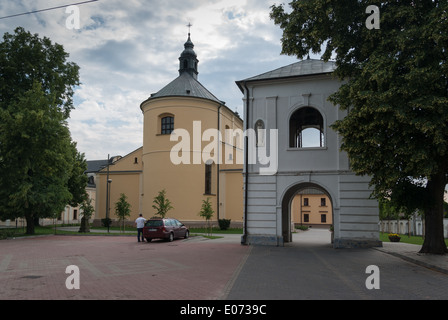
[(148, 239), (187, 234), (171, 238)]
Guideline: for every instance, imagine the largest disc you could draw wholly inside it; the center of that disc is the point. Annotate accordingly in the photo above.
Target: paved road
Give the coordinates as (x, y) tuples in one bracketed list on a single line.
[(119, 268), (310, 269)]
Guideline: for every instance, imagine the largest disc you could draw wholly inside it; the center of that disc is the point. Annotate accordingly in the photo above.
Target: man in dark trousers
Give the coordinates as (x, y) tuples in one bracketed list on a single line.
[(140, 223)]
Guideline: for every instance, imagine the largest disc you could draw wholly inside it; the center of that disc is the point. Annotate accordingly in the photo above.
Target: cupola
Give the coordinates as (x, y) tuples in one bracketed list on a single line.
[(188, 60)]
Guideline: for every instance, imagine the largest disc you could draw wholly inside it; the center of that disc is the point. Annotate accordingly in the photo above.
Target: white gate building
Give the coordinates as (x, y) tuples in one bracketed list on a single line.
[(292, 102)]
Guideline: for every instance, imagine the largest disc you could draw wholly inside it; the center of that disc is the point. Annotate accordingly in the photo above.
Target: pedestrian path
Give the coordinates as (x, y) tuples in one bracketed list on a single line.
[(316, 237), (410, 252)]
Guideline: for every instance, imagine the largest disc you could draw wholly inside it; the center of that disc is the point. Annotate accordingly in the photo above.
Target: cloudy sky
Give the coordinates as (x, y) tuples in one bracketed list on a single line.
[(129, 49)]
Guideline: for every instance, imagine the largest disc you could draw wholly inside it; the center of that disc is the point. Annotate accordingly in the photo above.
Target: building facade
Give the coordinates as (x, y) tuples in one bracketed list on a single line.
[(192, 149), (291, 105)]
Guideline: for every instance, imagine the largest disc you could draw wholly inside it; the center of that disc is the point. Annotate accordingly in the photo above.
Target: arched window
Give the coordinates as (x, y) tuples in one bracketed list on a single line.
[(260, 133), (306, 129), (167, 125)]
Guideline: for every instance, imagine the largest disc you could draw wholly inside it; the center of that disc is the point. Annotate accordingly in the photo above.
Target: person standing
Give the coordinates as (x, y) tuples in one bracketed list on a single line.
[(140, 223)]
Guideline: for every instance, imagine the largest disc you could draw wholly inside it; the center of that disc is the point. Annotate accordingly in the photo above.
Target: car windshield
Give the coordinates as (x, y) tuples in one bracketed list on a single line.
[(154, 223)]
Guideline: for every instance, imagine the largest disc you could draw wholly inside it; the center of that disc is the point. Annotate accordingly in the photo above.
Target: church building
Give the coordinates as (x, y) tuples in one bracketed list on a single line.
[(192, 149)]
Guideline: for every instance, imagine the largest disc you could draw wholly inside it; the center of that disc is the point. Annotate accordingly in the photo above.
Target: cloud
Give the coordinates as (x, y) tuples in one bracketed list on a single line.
[(128, 50)]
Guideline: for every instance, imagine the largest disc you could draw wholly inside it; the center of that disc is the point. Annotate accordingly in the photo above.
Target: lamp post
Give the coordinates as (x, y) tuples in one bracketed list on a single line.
[(109, 185), (108, 182)]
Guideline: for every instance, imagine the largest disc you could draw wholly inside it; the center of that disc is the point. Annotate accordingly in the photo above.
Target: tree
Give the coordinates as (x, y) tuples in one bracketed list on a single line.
[(25, 59), (77, 182), (87, 212), (161, 204), (395, 90), (207, 212), (122, 209), (37, 156)]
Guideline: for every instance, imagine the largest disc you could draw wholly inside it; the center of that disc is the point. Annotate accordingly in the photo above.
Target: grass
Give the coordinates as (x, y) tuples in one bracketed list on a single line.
[(405, 239)]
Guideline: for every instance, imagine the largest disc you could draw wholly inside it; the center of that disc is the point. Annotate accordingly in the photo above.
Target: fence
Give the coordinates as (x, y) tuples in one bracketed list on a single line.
[(412, 227)]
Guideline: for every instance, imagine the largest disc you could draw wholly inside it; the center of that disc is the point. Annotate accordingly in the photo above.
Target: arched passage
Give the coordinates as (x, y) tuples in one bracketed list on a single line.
[(290, 195)]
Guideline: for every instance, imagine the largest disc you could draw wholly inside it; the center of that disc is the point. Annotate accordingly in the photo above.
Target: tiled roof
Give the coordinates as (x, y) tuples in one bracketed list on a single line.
[(301, 68), (185, 86)]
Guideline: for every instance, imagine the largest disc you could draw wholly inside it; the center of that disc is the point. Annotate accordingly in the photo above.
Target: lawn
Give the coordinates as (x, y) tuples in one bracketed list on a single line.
[(405, 239)]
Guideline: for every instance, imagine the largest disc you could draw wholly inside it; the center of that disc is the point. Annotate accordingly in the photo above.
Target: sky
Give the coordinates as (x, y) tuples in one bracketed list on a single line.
[(128, 50)]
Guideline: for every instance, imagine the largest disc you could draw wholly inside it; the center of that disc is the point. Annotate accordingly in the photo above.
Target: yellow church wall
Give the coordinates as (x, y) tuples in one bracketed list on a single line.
[(185, 183), (126, 175)]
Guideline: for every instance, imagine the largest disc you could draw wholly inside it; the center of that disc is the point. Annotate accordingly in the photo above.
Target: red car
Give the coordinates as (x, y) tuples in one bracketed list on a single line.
[(166, 228)]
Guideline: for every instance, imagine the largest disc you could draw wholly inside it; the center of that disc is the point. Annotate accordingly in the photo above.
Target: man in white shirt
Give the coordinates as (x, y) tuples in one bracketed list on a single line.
[(140, 223)]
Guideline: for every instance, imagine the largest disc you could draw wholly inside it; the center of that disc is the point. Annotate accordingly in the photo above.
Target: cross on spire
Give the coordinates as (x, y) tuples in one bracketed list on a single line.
[(189, 25)]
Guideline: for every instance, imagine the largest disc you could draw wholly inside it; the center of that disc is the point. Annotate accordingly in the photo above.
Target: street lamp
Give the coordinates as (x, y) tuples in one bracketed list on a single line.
[(109, 185), (108, 182)]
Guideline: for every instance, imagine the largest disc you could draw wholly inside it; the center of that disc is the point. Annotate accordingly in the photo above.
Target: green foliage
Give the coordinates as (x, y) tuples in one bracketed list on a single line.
[(161, 204), (7, 233), (395, 92), (207, 212), (37, 156), (87, 209), (26, 58), (122, 209), (224, 224), (87, 212), (106, 222), (77, 182)]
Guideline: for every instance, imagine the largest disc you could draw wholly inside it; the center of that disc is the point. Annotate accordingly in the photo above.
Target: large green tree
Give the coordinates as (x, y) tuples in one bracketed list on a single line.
[(40, 167), (395, 90)]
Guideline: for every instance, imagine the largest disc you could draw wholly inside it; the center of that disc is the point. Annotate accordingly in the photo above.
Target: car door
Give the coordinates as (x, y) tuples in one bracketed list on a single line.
[(176, 228)]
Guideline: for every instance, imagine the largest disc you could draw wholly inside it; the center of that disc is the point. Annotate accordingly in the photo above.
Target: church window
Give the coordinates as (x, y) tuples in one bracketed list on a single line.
[(167, 125), (306, 129), (260, 133), (208, 179)]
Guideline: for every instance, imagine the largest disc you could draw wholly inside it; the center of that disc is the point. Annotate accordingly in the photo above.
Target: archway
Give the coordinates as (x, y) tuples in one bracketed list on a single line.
[(307, 192)]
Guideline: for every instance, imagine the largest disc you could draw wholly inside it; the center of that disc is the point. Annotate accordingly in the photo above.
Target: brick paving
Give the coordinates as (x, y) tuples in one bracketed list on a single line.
[(117, 268), (120, 268)]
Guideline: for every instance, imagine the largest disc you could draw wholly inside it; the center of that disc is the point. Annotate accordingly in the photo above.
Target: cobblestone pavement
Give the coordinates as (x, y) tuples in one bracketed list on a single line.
[(120, 268), (117, 268)]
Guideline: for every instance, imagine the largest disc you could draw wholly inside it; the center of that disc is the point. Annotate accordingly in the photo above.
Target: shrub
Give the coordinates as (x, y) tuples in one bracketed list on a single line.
[(106, 222), (224, 224)]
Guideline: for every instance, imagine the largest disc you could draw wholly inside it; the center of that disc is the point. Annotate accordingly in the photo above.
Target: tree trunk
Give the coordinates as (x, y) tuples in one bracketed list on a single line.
[(434, 240), (29, 223)]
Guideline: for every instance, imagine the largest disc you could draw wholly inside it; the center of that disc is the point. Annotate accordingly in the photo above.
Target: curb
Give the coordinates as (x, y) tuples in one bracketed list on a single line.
[(415, 261)]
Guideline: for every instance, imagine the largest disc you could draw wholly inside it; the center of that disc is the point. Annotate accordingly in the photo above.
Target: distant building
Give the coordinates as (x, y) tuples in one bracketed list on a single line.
[(311, 207)]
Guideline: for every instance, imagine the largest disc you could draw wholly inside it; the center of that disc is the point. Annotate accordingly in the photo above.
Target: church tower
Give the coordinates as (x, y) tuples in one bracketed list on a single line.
[(186, 106), (188, 60)]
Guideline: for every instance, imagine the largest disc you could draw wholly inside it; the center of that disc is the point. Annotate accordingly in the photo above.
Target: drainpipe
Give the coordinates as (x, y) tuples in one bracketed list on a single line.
[(219, 160), (246, 178)]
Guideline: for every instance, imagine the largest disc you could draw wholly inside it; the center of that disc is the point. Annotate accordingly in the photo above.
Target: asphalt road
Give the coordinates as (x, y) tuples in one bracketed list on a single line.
[(309, 269)]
